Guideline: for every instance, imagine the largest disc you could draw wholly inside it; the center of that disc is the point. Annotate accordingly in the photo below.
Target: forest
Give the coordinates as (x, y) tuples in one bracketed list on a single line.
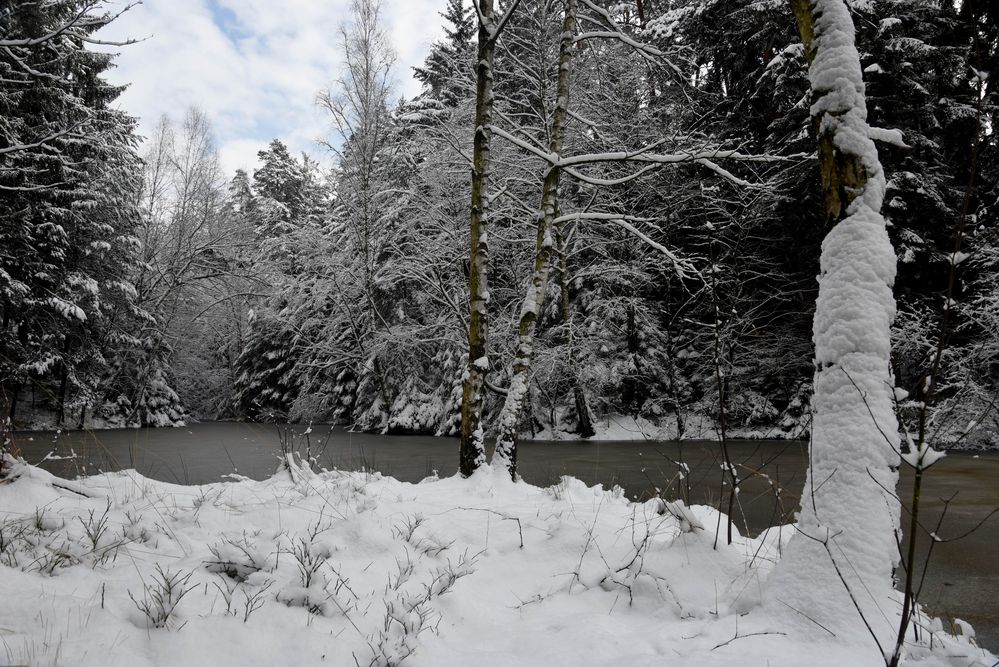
[(141, 285)]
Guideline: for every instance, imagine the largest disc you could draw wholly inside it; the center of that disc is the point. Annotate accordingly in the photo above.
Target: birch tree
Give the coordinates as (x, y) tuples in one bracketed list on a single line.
[(472, 450), (594, 170), (505, 455)]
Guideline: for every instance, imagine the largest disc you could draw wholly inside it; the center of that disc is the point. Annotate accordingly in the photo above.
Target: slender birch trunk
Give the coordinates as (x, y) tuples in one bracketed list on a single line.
[(505, 455), (837, 568), (472, 453)]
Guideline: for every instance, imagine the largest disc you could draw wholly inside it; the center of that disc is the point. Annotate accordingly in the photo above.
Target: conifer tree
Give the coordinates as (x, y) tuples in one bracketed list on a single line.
[(446, 71), (69, 178)]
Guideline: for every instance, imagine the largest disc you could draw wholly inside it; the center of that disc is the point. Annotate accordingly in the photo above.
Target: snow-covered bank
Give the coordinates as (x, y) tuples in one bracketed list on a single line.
[(699, 426), (350, 568), (609, 427), (48, 420), (695, 427)]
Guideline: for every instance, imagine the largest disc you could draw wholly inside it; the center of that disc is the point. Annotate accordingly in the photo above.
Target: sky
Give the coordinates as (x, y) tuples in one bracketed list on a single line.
[(254, 66)]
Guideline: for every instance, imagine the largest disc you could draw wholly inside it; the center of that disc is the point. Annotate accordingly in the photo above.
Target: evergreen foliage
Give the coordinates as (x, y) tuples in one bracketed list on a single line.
[(69, 177)]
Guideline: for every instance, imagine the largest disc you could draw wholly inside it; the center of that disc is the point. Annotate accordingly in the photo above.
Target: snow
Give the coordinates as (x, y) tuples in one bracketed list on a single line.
[(958, 257), (888, 24), (922, 457), (66, 309), (792, 51), (344, 568), (84, 283), (839, 570), (612, 427), (890, 137)]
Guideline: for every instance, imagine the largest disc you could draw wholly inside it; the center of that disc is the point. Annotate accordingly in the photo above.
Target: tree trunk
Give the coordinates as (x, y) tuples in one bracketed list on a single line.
[(383, 391), (472, 453), (838, 567), (584, 421), (12, 409), (63, 381), (6, 428), (721, 383), (505, 455)]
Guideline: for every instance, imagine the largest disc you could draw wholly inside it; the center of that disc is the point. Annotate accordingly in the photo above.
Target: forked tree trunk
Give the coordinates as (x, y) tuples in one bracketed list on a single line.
[(472, 453), (837, 568), (505, 455)]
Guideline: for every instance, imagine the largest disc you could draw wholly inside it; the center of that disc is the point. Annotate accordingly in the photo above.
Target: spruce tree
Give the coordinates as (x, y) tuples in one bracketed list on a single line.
[(446, 73), (68, 184)]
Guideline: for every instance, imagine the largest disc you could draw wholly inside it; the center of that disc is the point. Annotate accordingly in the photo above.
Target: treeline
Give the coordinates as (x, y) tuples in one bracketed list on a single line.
[(75, 334), (674, 289)]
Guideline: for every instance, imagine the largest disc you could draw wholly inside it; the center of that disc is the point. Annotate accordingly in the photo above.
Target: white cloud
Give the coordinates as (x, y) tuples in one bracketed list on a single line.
[(240, 154), (254, 66)]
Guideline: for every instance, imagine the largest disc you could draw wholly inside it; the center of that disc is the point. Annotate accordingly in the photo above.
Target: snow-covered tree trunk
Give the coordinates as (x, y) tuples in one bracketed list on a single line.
[(837, 569), (505, 455), (472, 453)]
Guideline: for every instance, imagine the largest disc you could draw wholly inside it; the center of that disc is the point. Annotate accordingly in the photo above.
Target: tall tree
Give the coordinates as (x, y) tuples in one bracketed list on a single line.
[(358, 107), (196, 276), (284, 209), (69, 177), (472, 451), (445, 73), (509, 420), (839, 565)]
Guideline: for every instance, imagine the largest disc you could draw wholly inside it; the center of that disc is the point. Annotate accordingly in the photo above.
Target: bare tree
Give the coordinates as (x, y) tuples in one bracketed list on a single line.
[(193, 279), (509, 419), (583, 21)]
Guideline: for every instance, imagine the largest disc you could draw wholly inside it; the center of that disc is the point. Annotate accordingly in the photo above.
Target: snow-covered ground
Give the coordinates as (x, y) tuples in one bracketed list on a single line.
[(344, 568)]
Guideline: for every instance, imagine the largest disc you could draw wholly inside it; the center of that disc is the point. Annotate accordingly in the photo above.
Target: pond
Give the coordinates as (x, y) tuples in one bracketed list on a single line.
[(962, 581)]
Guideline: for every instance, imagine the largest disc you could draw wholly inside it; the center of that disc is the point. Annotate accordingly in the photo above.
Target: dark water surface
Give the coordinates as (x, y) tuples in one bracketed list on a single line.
[(962, 582)]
